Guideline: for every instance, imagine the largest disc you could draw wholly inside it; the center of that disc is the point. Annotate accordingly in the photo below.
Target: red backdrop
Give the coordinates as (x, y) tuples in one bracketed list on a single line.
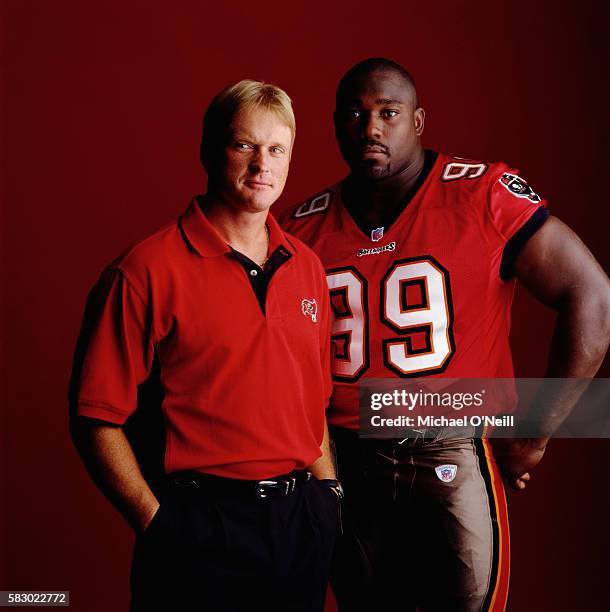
[(102, 103)]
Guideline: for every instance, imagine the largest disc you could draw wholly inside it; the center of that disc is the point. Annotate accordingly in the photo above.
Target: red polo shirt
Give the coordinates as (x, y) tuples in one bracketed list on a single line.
[(245, 383)]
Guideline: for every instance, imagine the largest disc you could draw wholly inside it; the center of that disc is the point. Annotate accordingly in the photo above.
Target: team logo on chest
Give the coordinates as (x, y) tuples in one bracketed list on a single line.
[(309, 307), (446, 472), (376, 250)]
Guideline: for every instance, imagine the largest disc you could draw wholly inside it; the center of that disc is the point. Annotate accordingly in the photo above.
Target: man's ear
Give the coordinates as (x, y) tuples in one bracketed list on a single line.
[(335, 120), (294, 137), (419, 118)]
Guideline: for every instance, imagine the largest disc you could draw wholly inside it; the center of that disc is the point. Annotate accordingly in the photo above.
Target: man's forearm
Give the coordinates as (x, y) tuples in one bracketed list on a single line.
[(324, 467), (577, 350), (579, 344), (110, 461)]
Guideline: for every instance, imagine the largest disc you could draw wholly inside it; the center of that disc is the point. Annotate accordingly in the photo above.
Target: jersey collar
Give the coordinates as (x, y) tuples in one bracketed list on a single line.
[(410, 201), (202, 236)]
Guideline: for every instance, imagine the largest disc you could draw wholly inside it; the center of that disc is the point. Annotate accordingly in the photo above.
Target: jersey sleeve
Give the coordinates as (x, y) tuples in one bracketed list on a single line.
[(516, 212), (114, 351)]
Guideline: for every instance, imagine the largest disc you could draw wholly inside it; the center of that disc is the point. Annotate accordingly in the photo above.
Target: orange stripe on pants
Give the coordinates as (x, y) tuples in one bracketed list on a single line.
[(502, 578)]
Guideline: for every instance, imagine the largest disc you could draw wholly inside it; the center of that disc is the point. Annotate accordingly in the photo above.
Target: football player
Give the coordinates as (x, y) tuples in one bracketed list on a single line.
[(422, 251)]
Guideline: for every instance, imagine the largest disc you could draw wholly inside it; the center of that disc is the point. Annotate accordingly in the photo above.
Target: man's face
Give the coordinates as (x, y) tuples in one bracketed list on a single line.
[(377, 125), (254, 168)]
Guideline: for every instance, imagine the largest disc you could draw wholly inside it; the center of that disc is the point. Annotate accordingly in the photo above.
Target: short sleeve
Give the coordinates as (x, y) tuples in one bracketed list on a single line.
[(114, 351), (517, 212)]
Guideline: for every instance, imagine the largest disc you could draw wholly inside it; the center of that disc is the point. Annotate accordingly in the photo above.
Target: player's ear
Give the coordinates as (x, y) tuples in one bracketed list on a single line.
[(335, 119), (419, 118)]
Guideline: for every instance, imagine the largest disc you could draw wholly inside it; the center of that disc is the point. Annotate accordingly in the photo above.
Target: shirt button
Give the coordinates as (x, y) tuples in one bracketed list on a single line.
[(253, 272)]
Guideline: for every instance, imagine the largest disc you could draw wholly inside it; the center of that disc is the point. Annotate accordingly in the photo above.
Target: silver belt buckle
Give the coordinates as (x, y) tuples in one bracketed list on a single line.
[(289, 486), (259, 488)]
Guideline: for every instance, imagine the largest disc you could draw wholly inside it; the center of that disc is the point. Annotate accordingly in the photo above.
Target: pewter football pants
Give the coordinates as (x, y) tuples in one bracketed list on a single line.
[(424, 525)]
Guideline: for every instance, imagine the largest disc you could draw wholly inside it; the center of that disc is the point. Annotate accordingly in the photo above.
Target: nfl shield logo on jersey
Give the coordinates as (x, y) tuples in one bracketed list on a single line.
[(377, 234), (446, 473), (310, 308)]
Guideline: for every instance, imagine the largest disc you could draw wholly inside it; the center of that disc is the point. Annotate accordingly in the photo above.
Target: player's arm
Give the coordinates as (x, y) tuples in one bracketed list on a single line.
[(323, 467), (559, 271), (109, 459)]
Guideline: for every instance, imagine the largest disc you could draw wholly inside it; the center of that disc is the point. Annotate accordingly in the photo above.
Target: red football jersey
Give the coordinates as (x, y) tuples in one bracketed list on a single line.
[(431, 294)]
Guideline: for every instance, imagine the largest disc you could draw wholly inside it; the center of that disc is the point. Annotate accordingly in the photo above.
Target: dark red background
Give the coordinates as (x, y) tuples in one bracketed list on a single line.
[(101, 115)]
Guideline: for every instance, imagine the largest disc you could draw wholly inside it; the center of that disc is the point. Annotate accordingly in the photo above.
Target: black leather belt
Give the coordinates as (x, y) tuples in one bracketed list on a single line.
[(277, 486)]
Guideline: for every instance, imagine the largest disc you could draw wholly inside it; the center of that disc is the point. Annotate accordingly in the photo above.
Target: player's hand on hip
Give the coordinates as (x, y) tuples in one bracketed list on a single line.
[(516, 457), (518, 483)]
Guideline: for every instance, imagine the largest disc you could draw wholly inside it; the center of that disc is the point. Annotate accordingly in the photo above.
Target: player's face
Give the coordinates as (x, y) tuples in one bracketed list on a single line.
[(256, 161), (377, 125)]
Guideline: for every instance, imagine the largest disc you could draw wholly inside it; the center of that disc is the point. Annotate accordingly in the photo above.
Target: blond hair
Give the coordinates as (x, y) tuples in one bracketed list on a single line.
[(243, 96)]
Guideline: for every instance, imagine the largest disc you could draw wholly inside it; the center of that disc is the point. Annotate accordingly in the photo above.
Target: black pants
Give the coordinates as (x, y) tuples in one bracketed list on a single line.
[(214, 549), (424, 526)]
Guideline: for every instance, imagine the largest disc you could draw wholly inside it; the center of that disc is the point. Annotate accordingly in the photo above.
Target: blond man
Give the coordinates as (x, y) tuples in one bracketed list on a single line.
[(235, 315)]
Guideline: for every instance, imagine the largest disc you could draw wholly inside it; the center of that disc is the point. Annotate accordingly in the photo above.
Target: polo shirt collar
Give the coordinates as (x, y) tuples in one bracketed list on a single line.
[(200, 233), (207, 242), (277, 237)]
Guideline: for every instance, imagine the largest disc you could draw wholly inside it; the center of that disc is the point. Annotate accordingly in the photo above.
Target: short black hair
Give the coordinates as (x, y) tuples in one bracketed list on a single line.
[(372, 64)]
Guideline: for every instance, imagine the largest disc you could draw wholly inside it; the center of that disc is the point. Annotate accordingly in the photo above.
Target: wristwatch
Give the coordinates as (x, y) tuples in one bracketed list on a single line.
[(334, 486)]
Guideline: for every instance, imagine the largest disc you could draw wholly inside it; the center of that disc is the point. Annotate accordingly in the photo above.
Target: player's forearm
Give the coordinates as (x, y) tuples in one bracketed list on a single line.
[(110, 461), (579, 344), (324, 466)]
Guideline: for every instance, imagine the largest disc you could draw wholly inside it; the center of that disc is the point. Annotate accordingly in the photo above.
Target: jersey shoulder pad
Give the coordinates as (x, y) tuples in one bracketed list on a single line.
[(462, 169), (512, 182), (465, 172), (497, 192), (317, 204), (480, 177), (308, 214)]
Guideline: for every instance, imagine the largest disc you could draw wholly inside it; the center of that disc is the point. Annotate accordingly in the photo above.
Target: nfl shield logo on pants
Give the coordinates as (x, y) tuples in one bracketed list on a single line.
[(446, 473)]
